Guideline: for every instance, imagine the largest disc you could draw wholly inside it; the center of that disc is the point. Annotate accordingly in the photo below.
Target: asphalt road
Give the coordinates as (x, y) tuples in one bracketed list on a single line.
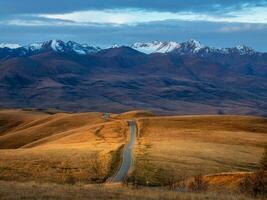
[(127, 155)]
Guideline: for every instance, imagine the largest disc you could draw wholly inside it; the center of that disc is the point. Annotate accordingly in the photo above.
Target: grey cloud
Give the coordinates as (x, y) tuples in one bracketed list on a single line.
[(63, 6)]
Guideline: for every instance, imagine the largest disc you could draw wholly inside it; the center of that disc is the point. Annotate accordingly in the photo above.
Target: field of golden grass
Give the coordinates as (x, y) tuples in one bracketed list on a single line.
[(55, 148), (191, 145), (70, 148), (44, 191)]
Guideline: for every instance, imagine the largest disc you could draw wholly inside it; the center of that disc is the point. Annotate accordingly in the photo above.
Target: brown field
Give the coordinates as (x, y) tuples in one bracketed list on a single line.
[(61, 148), (44, 191), (42, 147), (192, 145)]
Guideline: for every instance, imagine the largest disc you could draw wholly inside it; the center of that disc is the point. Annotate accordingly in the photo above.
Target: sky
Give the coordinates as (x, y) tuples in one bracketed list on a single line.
[(217, 23)]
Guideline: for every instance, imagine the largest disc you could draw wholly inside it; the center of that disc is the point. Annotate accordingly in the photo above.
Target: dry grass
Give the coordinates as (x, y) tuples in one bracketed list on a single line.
[(134, 114), (34, 127), (59, 147), (195, 145), (14, 190)]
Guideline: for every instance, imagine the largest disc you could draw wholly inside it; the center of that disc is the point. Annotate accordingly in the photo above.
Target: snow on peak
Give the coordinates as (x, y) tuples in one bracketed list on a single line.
[(188, 47), (57, 45), (155, 47), (34, 46), (192, 46), (244, 49), (115, 46), (240, 49), (10, 46), (81, 49), (62, 47)]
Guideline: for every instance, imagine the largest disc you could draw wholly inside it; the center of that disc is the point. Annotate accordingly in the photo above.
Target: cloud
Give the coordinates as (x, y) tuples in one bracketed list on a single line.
[(104, 22), (66, 6), (130, 12), (27, 20), (133, 16), (170, 30), (242, 28)]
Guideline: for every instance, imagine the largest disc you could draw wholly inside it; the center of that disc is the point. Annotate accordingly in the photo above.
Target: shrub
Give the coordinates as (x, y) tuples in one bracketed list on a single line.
[(255, 185), (98, 168), (198, 184), (171, 179), (263, 161), (69, 179)]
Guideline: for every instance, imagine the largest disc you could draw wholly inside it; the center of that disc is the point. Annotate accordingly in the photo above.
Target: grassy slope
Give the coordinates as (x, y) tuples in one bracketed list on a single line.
[(52, 147), (192, 145), (41, 147), (85, 192)]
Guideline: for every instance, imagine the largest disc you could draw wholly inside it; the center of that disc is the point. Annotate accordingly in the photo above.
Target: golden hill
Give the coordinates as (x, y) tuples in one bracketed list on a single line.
[(193, 145), (60, 147)]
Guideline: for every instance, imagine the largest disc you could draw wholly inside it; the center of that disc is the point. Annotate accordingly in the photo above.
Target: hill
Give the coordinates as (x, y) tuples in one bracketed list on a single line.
[(65, 147), (57, 147), (186, 146)]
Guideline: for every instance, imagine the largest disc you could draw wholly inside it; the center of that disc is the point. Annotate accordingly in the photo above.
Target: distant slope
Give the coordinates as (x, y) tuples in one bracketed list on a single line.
[(22, 128)]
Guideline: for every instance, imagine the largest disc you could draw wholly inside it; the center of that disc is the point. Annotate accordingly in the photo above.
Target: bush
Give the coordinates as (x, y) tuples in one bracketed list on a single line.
[(171, 179), (255, 185), (198, 184), (263, 162), (69, 179)]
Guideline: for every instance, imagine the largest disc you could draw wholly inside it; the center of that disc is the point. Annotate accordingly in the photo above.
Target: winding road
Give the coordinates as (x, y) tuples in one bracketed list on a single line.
[(127, 155)]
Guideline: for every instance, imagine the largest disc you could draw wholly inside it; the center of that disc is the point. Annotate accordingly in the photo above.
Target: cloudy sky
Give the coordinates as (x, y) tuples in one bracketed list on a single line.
[(219, 23)]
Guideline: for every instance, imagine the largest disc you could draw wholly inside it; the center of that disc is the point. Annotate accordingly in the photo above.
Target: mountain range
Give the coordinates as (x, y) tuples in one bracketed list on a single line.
[(166, 77)]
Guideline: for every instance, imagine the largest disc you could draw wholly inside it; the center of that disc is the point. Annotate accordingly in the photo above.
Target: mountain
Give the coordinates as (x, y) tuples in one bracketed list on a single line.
[(189, 47), (155, 47), (15, 50), (9, 46), (183, 78)]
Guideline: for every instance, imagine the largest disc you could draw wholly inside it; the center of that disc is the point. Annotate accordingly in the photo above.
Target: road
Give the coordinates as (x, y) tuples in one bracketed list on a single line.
[(127, 155)]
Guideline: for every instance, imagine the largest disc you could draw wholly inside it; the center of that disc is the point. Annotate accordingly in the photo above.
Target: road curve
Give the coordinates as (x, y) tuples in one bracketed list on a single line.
[(127, 155)]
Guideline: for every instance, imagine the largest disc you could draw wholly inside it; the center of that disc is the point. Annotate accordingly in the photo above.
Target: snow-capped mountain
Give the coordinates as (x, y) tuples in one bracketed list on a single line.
[(190, 47), (62, 47), (240, 49), (155, 47), (10, 46), (54, 45)]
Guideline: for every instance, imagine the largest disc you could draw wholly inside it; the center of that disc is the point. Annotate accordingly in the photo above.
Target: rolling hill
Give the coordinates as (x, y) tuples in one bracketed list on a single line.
[(61, 147)]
